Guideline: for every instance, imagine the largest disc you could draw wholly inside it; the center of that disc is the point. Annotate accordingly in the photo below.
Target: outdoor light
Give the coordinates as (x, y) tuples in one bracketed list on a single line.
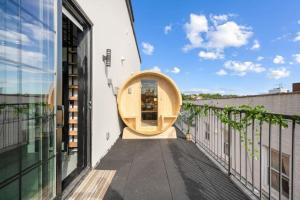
[(107, 58)]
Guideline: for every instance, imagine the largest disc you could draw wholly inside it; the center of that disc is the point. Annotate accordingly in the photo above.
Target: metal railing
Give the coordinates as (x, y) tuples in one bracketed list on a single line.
[(264, 162), (15, 120)]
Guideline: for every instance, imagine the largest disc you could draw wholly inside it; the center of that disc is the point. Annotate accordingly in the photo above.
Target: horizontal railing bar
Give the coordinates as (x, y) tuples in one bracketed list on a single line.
[(291, 117)]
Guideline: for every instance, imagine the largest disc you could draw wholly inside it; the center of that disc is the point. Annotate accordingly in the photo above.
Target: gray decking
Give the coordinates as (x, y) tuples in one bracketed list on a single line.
[(164, 169)]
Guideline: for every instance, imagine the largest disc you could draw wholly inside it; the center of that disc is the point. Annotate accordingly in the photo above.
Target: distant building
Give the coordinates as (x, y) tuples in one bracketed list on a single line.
[(278, 90), (281, 103), (296, 87)]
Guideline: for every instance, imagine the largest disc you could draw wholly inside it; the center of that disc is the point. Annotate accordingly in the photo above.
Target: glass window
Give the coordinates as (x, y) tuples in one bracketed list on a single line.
[(48, 179), (10, 163), (285, 169), (11, 191), (27, 68), (31, 184), (149, 102)]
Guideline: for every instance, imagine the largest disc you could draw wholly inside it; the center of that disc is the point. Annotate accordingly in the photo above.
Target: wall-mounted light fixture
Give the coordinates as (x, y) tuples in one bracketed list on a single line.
[(107, 58)]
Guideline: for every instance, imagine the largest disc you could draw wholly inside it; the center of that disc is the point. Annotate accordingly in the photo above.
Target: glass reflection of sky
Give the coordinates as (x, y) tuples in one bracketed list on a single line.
[(27, 47)]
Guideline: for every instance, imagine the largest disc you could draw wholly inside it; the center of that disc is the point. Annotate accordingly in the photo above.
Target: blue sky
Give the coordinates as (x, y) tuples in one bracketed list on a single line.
[(230, 47)]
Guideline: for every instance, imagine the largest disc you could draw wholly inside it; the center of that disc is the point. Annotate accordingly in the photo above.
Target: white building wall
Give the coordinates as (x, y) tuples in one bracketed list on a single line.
[(111, 30), (284, 103)]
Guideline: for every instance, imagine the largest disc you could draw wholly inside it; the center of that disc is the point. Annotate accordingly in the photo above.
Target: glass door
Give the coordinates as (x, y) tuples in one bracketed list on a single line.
[(27, 99), (74, 97), (149, 103), (70, 97)]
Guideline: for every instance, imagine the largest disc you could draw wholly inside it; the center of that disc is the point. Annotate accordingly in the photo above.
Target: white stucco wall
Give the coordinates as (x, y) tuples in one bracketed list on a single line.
[(284, 103), (111, 30)]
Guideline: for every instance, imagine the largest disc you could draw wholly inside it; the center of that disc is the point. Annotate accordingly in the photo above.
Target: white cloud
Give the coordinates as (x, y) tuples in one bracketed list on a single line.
[(37, 32), (279, 73), (222, 91), (217, 19), (197, 24), (222, 34), (278, 59), (242, 68), (196, 91), (168, 29), (256, 45), (297, 38), (297, 57), (175, 70), (32, 31), (229, 34), (216, 35), (260, 58), (221, 72), (148, 48), (31, 58), (156, 68), (210, 55), (14, 37), (298, 22)]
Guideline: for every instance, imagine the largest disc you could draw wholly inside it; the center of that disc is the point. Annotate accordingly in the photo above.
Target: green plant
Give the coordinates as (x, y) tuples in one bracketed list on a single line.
[(2, 107), (190, 111), (297, 119), (247, 116)]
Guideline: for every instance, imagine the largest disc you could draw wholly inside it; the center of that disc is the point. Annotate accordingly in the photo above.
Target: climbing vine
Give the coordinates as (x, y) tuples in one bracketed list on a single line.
[(247, 116)]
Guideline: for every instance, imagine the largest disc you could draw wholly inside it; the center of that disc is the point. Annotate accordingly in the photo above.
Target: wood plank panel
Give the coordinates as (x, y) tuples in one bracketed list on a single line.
[(94, 185)]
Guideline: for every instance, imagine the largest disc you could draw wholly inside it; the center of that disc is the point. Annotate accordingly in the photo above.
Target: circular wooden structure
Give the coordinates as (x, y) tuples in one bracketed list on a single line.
[(149, 102)]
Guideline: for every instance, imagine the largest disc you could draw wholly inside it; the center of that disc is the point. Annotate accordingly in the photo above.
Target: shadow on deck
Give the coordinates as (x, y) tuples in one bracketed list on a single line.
[(165, 169)]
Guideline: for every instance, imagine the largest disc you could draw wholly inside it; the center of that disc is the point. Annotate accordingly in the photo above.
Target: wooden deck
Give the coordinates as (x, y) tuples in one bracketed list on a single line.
[(94, 186)]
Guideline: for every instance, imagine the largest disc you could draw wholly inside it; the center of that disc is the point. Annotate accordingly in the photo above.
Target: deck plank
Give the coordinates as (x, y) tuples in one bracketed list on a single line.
[(94, 185)]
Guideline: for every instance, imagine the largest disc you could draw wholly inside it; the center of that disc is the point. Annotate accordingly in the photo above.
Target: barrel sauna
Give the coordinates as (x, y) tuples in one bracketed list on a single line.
[(149, 103)]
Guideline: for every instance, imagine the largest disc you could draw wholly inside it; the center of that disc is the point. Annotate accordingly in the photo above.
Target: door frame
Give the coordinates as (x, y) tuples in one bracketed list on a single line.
[(72, 7)]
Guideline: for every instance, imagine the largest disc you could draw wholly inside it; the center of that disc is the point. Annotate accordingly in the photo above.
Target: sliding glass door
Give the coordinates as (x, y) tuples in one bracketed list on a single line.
[(27, 99), (73, 97)]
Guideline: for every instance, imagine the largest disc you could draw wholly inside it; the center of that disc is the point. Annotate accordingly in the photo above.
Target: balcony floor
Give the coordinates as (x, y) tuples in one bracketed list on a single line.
[(164, 169)]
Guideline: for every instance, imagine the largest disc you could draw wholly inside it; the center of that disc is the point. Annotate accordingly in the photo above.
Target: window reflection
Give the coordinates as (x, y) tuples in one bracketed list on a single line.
[(27, 134), (149, 103)]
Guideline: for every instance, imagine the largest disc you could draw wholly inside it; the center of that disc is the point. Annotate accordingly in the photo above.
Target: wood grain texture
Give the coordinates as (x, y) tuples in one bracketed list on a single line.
[(94, 185), (129, 102), (129, 134)]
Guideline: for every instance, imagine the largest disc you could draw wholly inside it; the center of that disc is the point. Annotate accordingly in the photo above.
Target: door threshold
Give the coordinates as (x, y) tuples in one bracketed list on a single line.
[(75, 183)]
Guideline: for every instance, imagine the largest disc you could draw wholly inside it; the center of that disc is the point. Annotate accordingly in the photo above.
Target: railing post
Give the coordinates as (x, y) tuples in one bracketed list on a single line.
[(293, 158), (260, 159), (196, 128), (229, 145)]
